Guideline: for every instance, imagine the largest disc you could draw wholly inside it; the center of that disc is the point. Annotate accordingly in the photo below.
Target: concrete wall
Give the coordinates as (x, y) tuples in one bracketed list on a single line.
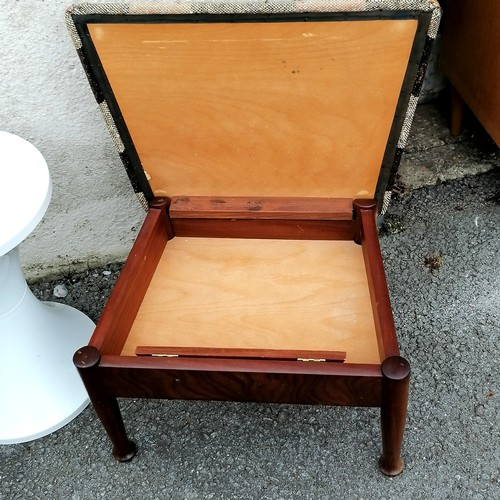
[(45, 98)]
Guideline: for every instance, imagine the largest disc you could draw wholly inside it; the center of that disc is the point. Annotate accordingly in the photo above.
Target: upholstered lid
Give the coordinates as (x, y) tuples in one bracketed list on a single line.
[(257, 98)]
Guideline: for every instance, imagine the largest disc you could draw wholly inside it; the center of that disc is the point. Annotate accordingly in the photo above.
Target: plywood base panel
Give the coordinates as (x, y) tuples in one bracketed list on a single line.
[(259, 294)]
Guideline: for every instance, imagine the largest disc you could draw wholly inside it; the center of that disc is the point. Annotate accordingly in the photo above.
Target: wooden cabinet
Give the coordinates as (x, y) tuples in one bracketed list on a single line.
[(471, 61)]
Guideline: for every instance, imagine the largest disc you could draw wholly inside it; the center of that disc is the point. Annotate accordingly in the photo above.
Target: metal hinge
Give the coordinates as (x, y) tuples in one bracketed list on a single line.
[(165, 355), (316, 360)]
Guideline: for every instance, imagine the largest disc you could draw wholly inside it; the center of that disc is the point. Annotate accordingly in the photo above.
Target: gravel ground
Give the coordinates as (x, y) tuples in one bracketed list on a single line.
[(441, 250)]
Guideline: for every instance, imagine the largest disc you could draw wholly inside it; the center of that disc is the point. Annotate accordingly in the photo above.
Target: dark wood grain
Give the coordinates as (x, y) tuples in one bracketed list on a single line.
[(265, 229), (240, 365), (282, 208), (109, 377), (366, 233), (242, 380), (213, 352), (395, 386), (163, 203), (127, 295), (105, 404)]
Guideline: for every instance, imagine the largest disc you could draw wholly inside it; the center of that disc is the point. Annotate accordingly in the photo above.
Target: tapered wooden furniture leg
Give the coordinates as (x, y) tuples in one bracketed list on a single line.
[(106, 406), (395, 384), (456, 112)]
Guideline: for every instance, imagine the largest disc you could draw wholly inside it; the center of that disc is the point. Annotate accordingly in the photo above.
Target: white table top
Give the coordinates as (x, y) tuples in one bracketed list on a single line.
[(25, 190)]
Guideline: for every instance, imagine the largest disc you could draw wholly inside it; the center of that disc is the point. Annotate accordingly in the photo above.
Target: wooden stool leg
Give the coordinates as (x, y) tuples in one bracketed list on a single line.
[(395, 385), (457, 112), (106, 406)]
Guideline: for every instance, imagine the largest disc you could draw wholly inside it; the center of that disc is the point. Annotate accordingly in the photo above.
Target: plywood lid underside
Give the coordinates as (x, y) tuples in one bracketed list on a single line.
[(258, 109), (259, 294)]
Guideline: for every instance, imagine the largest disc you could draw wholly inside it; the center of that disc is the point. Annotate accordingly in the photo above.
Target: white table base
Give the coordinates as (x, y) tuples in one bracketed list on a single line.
[(40, 389)]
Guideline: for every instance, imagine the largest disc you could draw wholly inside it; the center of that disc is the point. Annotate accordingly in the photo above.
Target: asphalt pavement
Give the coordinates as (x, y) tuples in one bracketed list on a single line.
[(441, 247)]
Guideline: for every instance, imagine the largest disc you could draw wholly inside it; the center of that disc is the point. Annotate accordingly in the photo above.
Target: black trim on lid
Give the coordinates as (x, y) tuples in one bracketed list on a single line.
[(393, 154), (204, 17), (426, 54), (103, 92), (96, 90)]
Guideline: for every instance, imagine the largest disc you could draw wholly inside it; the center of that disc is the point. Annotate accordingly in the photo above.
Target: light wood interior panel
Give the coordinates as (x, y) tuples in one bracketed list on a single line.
[(266, 109), (259, 294)]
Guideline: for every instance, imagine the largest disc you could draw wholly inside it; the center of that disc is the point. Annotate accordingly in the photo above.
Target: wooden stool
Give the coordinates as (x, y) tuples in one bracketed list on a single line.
[(262, 137)]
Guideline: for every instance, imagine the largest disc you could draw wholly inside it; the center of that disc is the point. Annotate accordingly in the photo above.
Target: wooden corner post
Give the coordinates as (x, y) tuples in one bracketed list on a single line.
[(163, 204), (367, 209), (106, 406), (395, 386)]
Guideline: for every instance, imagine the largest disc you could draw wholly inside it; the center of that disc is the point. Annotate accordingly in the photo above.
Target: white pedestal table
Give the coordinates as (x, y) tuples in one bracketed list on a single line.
[(40, 389)]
